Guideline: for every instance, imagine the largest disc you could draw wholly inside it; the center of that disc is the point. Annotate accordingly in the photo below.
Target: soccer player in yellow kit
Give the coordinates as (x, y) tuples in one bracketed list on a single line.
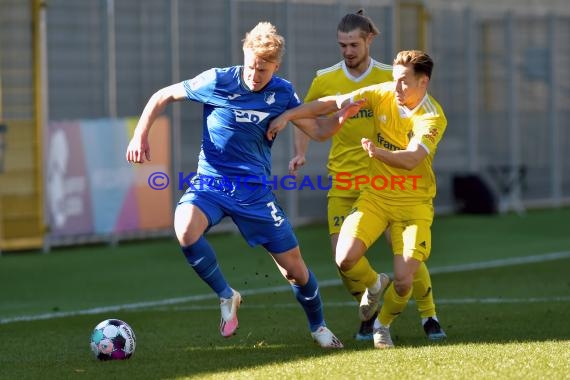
[(355, 33), (409, 124)]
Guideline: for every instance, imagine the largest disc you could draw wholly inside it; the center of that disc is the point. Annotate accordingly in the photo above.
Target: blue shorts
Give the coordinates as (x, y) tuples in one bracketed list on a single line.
[(253, 208)]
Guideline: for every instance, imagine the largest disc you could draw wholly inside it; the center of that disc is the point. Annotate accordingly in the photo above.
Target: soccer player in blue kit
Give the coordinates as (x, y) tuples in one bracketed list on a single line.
[(239, 102)]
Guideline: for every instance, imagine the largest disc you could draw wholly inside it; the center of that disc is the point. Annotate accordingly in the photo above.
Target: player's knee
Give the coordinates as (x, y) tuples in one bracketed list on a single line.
[(295, 271), (295, 277), (343, 263), (402, 286), (189, 224), (186, 236)]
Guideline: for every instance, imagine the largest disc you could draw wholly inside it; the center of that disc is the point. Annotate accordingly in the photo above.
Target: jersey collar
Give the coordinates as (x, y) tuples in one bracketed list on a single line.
[(405, 111), (362, 76), (246, 87)]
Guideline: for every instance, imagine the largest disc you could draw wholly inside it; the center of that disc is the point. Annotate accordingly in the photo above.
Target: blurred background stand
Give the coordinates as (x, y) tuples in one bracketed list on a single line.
[(3, 130)]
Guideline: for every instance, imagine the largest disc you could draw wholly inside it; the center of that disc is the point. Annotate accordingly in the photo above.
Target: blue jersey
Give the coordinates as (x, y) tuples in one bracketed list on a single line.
[(235, 120)]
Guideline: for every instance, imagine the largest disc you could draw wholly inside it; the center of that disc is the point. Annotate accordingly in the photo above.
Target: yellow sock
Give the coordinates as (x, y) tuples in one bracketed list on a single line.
[(423, 293), (356, 289), (359, 276), (393, 305)]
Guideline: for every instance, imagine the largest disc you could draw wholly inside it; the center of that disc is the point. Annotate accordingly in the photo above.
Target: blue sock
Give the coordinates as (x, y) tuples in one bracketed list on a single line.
[(202, 258), (310, 298)]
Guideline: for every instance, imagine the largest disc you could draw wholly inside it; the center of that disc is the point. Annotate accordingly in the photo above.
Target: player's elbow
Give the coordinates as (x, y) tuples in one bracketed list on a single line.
[(412, 159), (164, 96), (409, 165), (412, 162), (327, 127), (312, 133), (324, 133), (321, 136), (315, 129), (316, 136)]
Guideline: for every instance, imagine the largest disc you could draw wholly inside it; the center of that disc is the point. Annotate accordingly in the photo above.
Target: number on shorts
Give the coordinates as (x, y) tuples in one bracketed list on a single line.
[(277, 218), (338, 220)]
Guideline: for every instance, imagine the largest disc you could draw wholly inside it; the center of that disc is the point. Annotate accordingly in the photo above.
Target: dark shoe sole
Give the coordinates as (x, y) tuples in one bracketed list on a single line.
[(364, 337)]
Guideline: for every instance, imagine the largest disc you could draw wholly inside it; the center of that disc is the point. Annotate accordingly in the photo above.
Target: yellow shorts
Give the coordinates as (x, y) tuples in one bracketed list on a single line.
[(337, 210), (410, 226)]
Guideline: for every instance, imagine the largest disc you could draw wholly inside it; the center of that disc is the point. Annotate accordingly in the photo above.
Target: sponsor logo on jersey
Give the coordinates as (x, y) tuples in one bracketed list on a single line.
[(387, 144), (363, 113), (233, 96), (250, 116)]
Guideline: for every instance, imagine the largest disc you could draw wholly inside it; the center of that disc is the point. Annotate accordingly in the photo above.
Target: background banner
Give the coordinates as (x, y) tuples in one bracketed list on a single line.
[(92, 190)]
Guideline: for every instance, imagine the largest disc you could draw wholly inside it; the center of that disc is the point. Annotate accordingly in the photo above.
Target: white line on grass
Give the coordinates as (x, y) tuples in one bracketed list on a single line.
[(325, 283), (450, 301), (501, 262)]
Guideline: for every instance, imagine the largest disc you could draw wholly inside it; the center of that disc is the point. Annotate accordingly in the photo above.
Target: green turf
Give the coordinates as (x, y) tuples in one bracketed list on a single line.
[(505, 322)]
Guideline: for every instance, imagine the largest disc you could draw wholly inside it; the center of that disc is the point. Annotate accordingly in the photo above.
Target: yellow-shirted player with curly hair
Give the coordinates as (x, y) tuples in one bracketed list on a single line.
[(409, 124), (355, 33)]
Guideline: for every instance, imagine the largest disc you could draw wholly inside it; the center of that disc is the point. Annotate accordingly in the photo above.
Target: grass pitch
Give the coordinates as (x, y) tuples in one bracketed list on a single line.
[(504, 319)]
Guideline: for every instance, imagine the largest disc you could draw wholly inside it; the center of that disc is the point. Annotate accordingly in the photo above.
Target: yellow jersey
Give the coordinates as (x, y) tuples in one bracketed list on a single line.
[(346, 154), (395, 126)]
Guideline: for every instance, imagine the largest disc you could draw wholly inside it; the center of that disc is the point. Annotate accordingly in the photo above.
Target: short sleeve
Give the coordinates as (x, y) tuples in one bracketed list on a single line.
[(201, 87), (428, 131), (372, 94)]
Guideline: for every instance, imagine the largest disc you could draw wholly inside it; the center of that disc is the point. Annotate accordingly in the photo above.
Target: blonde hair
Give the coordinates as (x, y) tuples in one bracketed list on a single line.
[(264, 42)]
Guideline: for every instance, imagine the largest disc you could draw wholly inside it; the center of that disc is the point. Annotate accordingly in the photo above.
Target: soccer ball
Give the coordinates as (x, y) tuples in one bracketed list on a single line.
[(113, 339)]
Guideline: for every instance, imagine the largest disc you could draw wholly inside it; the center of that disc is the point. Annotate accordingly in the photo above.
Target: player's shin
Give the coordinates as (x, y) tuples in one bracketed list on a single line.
[(355, 288), (422, 292), (309, 297), (361, 274), (202, 258), (393, 305)]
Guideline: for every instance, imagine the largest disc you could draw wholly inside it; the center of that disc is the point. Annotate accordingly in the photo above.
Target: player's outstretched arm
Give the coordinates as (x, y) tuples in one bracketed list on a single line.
[(407, 159), (139, 149), (322, 128), (309, 110)]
